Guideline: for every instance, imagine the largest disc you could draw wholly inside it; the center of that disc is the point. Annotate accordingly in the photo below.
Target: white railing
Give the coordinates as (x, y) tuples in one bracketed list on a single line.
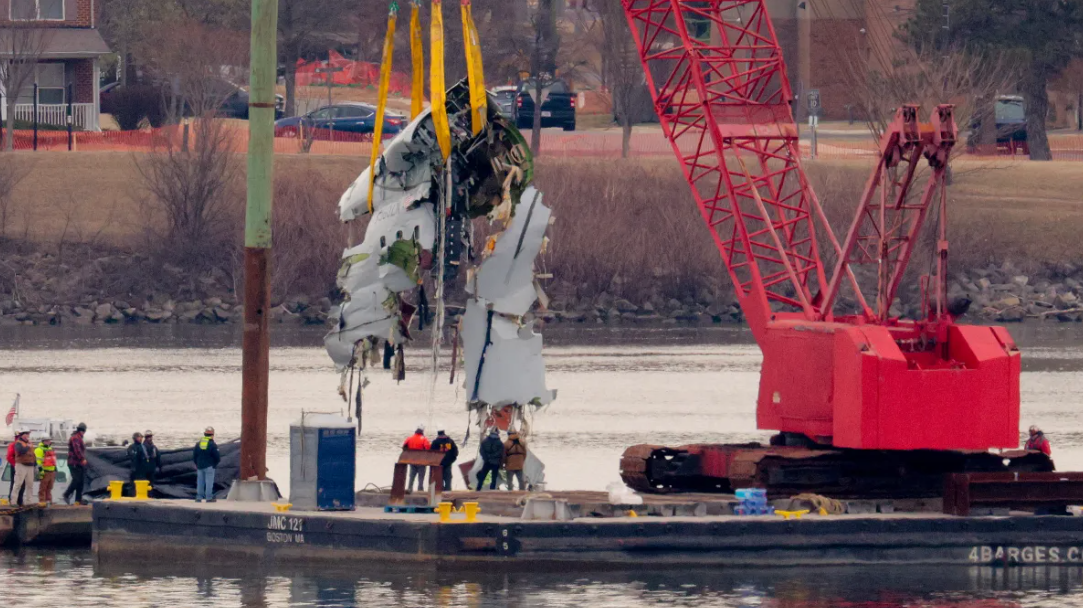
[(84, 115)]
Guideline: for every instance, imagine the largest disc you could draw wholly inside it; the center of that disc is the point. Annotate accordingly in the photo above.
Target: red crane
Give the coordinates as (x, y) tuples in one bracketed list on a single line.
[(841, 375)]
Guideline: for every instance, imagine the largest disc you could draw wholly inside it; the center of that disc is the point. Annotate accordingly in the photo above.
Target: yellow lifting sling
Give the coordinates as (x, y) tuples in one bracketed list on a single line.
[(381, 104)]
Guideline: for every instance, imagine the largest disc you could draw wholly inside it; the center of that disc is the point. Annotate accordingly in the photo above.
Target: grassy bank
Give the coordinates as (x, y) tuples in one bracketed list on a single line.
[(628, 228)]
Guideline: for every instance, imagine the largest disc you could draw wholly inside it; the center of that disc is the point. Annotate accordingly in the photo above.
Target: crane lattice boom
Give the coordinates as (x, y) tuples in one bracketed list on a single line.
[(860, 378)]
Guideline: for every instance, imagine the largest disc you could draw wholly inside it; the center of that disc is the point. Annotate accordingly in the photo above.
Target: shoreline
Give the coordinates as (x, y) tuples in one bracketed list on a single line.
[(1027, 334), (629, 247), (1000, 294)]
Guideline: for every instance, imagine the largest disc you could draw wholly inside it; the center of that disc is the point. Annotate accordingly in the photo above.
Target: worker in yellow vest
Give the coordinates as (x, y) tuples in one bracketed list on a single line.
[(46, 457), (206, 458)]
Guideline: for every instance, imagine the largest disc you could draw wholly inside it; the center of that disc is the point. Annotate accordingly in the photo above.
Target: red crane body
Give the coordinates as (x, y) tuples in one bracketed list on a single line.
[(864, 379)]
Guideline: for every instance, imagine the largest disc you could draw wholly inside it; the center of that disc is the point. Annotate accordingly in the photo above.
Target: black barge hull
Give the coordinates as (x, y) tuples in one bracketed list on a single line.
[(255, 535)]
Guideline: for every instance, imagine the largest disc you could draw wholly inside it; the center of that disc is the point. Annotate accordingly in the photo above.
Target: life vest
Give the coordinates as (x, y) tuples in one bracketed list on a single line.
[(205, 442), (1039, 443), (46, 457)]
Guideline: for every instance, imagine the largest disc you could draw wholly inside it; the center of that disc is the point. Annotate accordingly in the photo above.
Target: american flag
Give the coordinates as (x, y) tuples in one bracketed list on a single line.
[(14, 410)]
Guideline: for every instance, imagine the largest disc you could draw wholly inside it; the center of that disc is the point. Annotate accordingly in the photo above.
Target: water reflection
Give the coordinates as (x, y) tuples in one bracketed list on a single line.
[(38, 578), (618, 387)]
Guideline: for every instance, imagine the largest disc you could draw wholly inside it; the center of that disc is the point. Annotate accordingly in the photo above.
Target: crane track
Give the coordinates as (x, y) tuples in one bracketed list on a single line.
[(784, 471)]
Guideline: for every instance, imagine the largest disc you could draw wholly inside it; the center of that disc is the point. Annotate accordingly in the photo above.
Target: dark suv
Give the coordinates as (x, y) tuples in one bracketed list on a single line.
[(558, 109), (1010, 117)]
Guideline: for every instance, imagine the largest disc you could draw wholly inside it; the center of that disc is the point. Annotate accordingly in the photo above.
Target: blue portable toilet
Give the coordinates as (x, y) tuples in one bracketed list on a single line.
[(323, 451)]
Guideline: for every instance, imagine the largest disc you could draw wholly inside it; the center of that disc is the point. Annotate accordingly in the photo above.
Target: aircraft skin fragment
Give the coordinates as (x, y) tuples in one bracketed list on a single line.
[(506, 277), (488, 176), (509, 369)]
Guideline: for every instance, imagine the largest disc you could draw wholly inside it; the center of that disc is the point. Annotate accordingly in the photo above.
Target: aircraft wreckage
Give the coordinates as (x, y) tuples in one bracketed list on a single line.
[(420, 234)]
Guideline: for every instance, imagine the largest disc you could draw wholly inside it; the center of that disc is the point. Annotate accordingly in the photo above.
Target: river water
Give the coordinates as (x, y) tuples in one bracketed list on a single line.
[(617, 387)]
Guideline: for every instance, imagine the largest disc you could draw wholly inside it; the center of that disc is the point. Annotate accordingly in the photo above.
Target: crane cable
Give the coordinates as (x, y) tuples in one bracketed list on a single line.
[(381, 105), (436, 80), (417, 58), (478, 99)]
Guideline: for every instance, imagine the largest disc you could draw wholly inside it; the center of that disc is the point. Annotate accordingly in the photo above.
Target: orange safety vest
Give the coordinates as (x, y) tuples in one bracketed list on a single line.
[(416, 441), (48, 461)]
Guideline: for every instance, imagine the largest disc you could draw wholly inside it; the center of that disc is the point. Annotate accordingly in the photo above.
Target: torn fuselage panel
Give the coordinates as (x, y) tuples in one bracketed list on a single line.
[(503, 359), (506, 277)]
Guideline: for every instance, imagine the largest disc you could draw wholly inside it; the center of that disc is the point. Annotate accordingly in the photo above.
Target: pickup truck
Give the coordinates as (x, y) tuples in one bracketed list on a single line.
[(557, 108)]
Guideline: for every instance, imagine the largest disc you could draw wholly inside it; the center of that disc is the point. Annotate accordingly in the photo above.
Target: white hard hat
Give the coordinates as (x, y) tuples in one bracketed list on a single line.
[(420, 426)]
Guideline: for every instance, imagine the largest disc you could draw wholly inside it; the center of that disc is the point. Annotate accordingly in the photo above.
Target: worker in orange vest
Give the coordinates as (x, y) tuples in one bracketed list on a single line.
[(46, 459), (417, 441)]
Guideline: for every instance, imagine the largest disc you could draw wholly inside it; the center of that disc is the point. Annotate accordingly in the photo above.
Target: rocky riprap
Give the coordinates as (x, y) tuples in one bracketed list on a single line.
[(212, 311), (36, 288)]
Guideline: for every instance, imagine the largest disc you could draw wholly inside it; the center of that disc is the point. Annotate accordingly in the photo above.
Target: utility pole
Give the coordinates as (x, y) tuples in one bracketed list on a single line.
[(257, 241)]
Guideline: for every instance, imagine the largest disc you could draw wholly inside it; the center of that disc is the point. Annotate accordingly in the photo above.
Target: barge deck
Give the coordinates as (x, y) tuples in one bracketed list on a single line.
[(255, 534)]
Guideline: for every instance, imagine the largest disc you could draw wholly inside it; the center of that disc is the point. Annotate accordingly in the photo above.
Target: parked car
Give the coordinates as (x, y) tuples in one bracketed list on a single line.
[(558, 109), (104, 90), (1009, 114), (344, 117), (505, 100), (235, 104)]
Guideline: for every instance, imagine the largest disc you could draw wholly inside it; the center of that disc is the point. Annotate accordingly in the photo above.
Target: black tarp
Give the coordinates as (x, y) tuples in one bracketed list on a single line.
[(177, 479)]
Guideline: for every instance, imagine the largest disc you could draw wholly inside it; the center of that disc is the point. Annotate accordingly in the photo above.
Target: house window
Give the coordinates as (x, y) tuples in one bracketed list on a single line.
[(51, 83), (37, 10)]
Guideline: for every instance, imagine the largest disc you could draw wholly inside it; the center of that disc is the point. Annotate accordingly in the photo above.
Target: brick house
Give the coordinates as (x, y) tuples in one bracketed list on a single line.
[(72, 47)]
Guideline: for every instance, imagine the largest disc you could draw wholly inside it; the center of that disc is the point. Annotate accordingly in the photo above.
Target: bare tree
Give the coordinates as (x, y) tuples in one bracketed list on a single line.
[(302, 21), (622, 72), (927, 79), (123, 24), (189, 184), (188, 194), (12, 172), (20, 49), (543, 61), (538, 48), (204, 65)]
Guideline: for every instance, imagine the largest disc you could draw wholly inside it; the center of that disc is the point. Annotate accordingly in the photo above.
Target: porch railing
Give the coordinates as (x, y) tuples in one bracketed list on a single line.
[(84, 115)]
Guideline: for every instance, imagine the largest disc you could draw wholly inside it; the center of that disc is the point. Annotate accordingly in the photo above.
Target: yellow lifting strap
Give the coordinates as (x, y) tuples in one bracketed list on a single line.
[(478, 100), (381, 104), (417, 57), (436, 80)]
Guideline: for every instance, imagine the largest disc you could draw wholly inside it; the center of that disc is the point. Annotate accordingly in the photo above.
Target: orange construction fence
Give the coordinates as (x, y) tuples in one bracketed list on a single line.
[(646, 142), (348, 72)]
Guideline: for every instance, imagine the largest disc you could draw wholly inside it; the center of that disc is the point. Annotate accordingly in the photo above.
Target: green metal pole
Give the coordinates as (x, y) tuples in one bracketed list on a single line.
[(257, 239)]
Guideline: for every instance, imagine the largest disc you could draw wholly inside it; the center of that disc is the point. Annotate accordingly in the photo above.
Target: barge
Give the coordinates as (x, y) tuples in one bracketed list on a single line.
[(257, 534), (55, 526)]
